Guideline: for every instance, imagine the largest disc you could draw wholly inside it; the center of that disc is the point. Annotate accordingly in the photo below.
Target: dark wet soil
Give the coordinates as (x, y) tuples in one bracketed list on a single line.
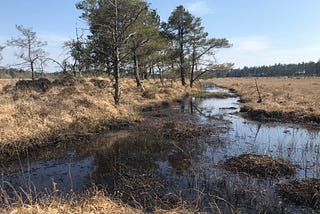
[(260, 166)]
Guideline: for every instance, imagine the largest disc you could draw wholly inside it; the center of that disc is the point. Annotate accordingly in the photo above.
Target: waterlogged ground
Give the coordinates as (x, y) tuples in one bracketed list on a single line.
[(146, 170)]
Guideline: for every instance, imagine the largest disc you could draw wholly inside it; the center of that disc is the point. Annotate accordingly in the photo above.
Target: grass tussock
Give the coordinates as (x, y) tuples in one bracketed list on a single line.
[(260, 166), (286, 99), (97, 203), (93, 200), (71, 108), (184, 130), (305, 192)]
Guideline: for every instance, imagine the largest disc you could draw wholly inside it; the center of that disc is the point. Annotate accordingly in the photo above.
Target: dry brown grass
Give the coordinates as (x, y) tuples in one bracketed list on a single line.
[(66, 111), (27, 115), (289, 98), (94, 204), (88, 205)]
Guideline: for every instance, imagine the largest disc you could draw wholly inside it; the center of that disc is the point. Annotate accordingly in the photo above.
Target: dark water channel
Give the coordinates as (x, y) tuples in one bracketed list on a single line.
[(138, 167)]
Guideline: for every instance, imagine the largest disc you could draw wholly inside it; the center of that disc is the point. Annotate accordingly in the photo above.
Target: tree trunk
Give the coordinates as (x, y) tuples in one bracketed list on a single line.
[(136, 68), (109, 68), (32, 70), (116, 69), (30, 59), (192, 68), (160, 74), (116, 75), (182, 71)]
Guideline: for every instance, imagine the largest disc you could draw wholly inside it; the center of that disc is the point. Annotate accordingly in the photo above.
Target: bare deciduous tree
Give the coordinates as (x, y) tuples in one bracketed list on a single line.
[(30, 47)]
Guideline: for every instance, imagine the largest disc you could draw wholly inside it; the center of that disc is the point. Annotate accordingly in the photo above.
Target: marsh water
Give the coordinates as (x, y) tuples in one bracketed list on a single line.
[(138, 167)]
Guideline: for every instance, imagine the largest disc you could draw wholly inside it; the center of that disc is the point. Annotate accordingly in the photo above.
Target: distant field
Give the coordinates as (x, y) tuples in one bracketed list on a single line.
[(292, 99)]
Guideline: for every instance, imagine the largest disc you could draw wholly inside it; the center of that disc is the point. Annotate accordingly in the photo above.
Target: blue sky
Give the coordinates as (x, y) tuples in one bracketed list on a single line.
[(263, 32)]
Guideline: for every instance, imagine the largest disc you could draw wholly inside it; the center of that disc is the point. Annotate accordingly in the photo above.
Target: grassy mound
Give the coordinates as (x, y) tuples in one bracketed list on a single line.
[(260, 166), (184, 130)]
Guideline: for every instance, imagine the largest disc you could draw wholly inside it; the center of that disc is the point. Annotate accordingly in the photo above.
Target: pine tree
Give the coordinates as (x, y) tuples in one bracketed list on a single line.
[(110, 24), (179, 30)]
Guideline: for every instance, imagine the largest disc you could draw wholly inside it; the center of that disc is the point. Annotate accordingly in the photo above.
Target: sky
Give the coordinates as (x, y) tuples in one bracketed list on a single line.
[(262, 32)]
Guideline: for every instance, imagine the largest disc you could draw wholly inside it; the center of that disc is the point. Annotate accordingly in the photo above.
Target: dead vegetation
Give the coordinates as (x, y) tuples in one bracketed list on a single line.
[(260, 166), (71, 108), (93, 204), (305, 192), (166, 122), (89, 202), (184, 130), (97, 203), (278, 99)]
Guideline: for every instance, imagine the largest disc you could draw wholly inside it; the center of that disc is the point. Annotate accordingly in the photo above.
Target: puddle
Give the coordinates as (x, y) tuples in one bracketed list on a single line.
[(141, 163)]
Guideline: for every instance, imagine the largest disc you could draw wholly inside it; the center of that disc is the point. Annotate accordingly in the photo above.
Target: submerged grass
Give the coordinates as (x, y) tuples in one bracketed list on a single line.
[(285, 99)]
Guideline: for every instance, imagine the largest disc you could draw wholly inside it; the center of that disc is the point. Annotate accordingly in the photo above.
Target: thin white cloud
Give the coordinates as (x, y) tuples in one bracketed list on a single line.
[(262, 50), (251, 44), (199, 8)]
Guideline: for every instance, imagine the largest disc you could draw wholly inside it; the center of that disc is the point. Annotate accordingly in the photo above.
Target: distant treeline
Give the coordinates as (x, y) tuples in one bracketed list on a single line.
[(301, 69), (12, 73)]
